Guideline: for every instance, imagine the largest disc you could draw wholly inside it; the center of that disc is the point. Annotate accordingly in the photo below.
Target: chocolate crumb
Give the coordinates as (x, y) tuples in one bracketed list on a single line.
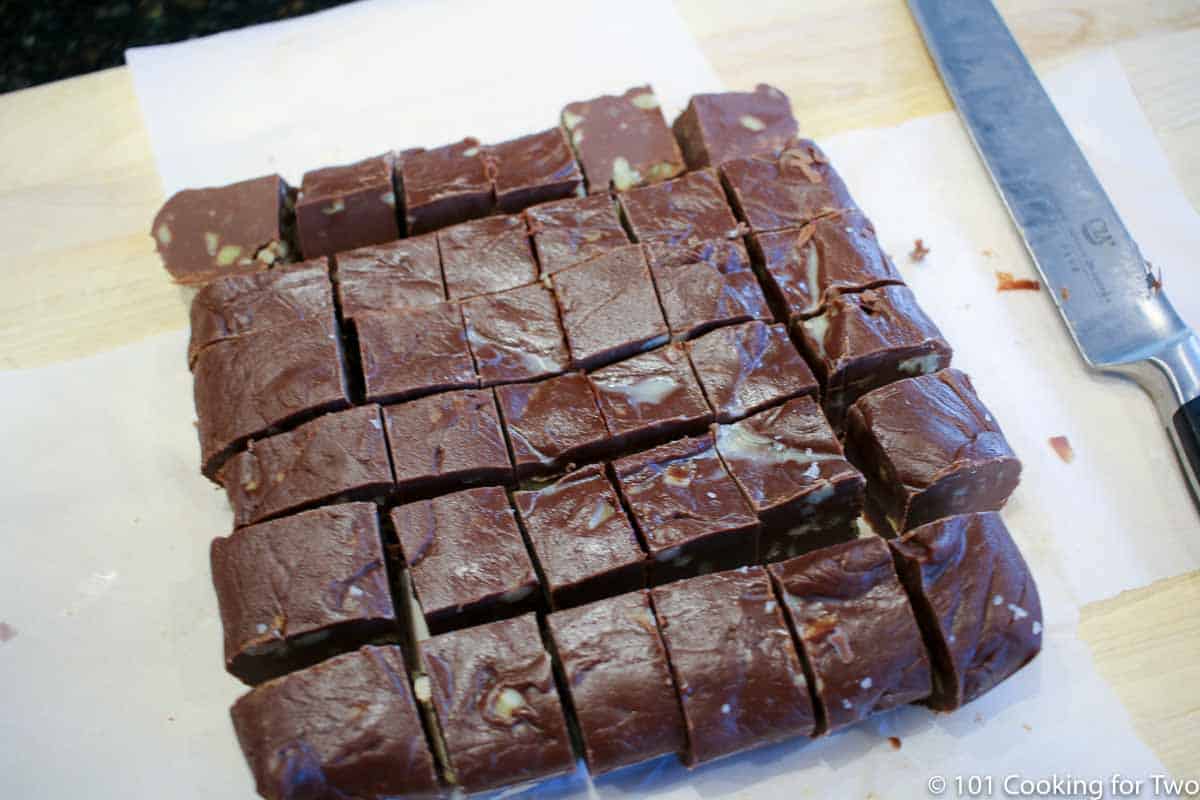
[(1063, 447), (1064, 293), (1005, 282), (987, 252), (1027, 726), (895, 742), (919, 251), (1152, 279), (7, 632)]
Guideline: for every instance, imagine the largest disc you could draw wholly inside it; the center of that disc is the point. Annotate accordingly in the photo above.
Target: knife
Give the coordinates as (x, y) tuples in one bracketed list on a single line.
[(1114, 307)]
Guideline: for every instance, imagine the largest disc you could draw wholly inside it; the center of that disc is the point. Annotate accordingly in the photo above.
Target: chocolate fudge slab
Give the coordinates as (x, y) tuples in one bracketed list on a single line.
[(445, 185), (445, 441), (739, 680), (584, 544), (238, 229), (857, 631), (609, 308), (253, 384), (650, 398), (486, 255), (347, 206), (552, 423), (975, 600), (619, 681), (347, 727), (296, 590), (515, 335), (237, 304), (622, 141), (410, 352), (930, 449), (685, 211), (535, 169), (569, 232), (402, 274), (334, 457), (789, 189), (746, 368), (466, 558), (691, 515), (863, 341), (499, 712), (715, 128), (697, 298), (790, 466)]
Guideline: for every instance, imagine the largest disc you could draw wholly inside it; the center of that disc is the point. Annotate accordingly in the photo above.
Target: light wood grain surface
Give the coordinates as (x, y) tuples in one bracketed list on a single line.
[(78, 187)]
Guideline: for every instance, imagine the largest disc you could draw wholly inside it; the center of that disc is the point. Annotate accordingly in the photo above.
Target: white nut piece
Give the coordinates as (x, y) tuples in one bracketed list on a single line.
[(423, 689), (645, 100), (753, 123), (228, 254), (507, 703), (211, 243), (624, 176), (336, 207), (470, 152), (163, 234), (570, 120), (388, 198)]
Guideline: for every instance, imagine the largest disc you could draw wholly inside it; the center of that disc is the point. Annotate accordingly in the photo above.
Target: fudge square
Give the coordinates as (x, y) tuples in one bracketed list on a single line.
[(863, 341), (789, 465), (619, 681), (789, 189), (697, 297), (535, 169), (347, 727), (466, 558), (401, 274), (856, 629), (342, 455), (582, 540), (237, 229), (567, 232), (609, 308), (975, 600), (410, 352), (684, 211), (515, 335), (552, 423), (496, 706), (802, 267), (340, 208), (446, 440), (486, 255), (622, 141), (296, 590), (445, 185), (717, 127), (931, 449), (689, 511), (739, 679), (746, 368)]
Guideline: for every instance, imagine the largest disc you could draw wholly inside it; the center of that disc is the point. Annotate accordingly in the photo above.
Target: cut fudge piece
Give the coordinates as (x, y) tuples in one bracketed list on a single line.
[(225, 230), (931, 449), (685, 211), (789, 465), (697, 298), (691, 514), (486, 255), (863, 341), (735, 666), (802, 267), (717, 127), (445, 185), (254, 384), (343, 207), (790, 189), (856, 628), (609, 308), (651, 397), (347, 727), (496, 704), (333, 458), (622, 141), (446, 440), (619, 682), (552, 423), (386, 277), (567, 232), (238, 304), (410, 352), (746, 368), (466, 558), (723, 255), (583, 542), (535, 169), (975, 600), (297, 590), (515, 335)]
